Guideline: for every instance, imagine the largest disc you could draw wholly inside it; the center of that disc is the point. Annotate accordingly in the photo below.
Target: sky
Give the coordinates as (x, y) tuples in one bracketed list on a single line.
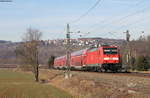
[(109, 19)]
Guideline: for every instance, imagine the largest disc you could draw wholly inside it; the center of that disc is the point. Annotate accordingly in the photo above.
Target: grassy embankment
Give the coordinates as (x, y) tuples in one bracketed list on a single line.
[(22, 85)]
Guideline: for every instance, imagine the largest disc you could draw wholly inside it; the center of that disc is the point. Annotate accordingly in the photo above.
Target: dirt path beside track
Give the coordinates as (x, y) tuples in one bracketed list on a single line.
[(100, 85)]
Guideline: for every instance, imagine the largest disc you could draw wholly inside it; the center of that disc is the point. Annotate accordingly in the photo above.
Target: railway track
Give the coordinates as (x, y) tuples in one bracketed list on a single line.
[(137, 74), (133, 74)]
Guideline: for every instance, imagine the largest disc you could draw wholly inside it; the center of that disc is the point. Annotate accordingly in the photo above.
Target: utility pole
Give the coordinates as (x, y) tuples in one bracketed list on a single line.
[(128, 56), (68, 52), (143, 36), (127, 36)]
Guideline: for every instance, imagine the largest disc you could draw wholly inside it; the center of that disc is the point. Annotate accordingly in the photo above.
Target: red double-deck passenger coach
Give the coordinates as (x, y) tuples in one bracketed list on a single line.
[(103, 58)]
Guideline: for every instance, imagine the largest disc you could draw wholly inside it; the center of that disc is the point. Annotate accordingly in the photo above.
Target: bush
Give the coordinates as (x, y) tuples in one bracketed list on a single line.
[(142, 63), (51, 61)]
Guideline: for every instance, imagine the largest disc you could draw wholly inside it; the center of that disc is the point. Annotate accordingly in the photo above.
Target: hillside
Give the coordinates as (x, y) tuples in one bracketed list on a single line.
[(50, 47)]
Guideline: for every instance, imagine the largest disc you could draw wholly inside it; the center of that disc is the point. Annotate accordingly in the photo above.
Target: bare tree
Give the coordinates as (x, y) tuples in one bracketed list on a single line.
[(28, 52)]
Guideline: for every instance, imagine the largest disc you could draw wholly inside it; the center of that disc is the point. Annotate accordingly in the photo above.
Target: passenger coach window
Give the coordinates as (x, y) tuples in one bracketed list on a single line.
[(110, 50)]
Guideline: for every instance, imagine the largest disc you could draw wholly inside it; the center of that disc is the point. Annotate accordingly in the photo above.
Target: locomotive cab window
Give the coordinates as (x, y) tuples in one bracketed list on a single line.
[(110, 50)]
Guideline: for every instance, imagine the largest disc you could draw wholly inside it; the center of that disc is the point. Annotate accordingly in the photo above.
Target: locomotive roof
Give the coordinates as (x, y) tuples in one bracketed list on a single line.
[(60, 57), (78, 52), (81, 51), (92, 49)]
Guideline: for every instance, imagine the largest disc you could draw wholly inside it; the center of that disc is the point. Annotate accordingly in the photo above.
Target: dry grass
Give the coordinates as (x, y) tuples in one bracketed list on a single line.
[(91, 85), (22, 85)]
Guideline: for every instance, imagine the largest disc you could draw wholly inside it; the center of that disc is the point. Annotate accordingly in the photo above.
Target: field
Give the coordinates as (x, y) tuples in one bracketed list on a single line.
[(101, 85), (82, 85), (22, 85)]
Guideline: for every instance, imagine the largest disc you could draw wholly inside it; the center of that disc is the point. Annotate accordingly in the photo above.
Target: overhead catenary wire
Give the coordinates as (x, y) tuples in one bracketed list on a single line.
[(129, 15), (121, 19), (132, 14), (86, 13), (6, 1), (105, 20), (132, 25), (135, 22)]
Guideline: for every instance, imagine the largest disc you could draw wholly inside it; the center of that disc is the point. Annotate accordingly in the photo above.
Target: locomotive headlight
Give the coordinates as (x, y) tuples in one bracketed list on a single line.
[(111, 58), (115, 58), (106, 58)]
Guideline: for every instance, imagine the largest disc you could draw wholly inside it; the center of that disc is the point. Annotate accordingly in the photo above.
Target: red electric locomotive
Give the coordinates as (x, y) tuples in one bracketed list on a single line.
[(103, 58)]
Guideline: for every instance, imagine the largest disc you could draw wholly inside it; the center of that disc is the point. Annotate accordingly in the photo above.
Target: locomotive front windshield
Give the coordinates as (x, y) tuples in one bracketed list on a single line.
[(110, 50)]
